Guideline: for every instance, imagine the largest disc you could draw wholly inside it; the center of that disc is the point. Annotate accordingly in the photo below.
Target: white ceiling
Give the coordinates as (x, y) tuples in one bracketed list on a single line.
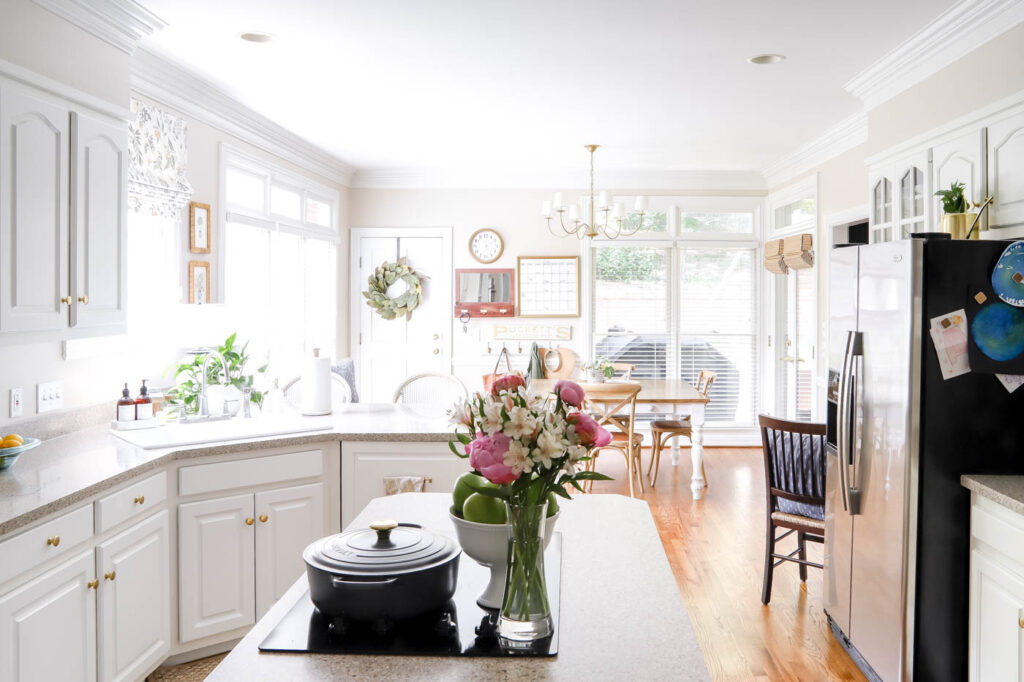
[(523, 84)]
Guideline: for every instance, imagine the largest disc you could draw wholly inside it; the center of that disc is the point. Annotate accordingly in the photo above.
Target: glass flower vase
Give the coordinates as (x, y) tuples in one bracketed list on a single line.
[(525, 614)]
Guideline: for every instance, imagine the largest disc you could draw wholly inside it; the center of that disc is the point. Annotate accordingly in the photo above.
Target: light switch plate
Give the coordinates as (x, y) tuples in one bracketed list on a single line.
[(49, 396), (16, 402)]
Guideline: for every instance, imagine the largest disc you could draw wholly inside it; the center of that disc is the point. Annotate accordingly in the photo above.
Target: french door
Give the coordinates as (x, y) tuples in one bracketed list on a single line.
[(795, 342)]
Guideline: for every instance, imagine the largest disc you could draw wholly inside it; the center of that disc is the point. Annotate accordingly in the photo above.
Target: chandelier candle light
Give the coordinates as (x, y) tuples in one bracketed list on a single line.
[(601, 217)]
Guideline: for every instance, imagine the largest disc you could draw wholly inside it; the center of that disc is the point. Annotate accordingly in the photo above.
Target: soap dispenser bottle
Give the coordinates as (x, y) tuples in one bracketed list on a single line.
[(126, 406), (144, 404)]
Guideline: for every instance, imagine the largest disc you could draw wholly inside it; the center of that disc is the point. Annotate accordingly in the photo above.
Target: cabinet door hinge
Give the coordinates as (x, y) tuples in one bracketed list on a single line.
[(360, 338)]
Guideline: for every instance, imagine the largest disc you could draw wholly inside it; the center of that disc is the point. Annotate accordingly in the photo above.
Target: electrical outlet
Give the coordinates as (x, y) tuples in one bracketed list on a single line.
[(16, 403), (49, 396)]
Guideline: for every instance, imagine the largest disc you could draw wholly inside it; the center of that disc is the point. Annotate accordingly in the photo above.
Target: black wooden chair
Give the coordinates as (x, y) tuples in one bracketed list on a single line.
[(794, 473)]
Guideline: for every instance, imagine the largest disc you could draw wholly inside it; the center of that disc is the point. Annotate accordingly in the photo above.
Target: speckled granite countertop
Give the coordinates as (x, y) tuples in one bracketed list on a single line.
[(68, 469), (1005, 490), (622, 615)]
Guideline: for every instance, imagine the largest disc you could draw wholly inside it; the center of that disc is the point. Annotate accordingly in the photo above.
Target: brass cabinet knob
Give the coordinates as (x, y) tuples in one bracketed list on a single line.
[(54, 541), (249, 521), (1020, 622), (65, 299), (436, 351), (263, 518), (83, 299), (436, 337), (141, 499), (93, 584), (110, 576)]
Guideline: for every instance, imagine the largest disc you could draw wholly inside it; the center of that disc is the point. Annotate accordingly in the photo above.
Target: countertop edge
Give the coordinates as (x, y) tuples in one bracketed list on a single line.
[(1005, 490)]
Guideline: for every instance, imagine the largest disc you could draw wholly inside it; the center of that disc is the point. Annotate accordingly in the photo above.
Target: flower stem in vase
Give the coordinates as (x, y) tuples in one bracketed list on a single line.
[(525, 612)]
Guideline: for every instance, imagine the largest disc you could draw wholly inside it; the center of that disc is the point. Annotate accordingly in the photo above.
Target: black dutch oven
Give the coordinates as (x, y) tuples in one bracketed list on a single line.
[(389, 571)]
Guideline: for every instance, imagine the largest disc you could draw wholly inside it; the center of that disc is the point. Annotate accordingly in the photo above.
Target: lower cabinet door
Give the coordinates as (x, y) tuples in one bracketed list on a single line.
[(216, 560), (287, 520), (134, 600), (48, 626), (997, 622)]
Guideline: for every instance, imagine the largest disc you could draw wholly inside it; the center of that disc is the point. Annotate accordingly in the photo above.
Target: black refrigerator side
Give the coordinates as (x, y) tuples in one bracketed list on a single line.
[(969, 424)]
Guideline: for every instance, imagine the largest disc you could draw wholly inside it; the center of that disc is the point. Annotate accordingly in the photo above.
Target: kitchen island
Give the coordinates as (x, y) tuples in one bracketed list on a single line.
[(621, 613)]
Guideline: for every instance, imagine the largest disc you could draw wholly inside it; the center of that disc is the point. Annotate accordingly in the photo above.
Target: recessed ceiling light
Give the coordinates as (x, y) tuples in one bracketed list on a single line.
[(256, 37), (766, 58)]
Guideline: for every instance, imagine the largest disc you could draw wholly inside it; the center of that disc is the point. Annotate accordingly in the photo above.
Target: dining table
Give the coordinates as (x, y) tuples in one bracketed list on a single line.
[(684, 400)]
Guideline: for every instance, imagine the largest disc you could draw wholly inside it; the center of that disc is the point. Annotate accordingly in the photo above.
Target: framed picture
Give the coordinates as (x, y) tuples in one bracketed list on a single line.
[(198, 281), (549, 286), (199, 227)]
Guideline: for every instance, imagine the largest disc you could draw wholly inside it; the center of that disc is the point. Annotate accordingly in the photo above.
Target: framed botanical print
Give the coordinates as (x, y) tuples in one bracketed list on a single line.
[(199, 227), (198, 281)]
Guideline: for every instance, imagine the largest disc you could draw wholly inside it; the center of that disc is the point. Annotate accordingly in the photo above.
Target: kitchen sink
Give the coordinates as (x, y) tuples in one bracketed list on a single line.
[(238, 428)]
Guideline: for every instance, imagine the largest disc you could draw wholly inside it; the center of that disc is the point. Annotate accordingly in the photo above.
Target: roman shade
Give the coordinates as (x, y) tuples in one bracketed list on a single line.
[(156, 162), (797, 251), (773, 257)]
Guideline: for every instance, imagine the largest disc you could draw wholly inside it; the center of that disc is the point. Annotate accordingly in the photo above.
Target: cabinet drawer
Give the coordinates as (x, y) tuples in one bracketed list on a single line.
[(22, 552), (1000, 528), (134, 500), (243, 473)]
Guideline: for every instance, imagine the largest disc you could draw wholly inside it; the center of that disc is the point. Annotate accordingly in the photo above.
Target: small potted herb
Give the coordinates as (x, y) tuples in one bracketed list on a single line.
[(189, 376), (598, 371), (955, 219)]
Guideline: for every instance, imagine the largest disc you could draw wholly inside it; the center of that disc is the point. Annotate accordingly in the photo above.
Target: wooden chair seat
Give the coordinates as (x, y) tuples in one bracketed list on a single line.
[(797, 522), (671, 424), (664, 430)]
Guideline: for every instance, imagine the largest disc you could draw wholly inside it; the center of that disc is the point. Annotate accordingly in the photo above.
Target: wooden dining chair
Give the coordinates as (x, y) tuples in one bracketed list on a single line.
[(623, 370), (613, 405), (794, 474), (664, 430)]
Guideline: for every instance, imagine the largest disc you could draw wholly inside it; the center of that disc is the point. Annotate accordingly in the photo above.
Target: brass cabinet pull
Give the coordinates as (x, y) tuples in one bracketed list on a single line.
[(93, 584), (249, 521), (141, 499), (263, 518), (54, 541), (65, 299), (84, 299), (110, 576), (1020, 622)]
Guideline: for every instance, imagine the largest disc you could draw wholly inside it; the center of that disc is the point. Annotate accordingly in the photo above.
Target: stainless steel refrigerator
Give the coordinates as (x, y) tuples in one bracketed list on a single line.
[(897, 527)]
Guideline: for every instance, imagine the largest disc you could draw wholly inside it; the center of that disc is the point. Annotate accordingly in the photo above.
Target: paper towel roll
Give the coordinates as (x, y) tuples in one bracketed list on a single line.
[(316, 386)]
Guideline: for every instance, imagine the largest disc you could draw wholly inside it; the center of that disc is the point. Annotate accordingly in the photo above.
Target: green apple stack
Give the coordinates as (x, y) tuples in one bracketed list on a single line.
[(478, 508)]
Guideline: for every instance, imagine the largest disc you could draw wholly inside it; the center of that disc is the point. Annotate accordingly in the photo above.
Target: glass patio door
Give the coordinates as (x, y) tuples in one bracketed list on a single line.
[(795, 352)]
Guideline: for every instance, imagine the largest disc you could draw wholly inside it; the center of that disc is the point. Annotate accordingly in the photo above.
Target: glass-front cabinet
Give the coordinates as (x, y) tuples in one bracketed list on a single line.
[(899, 192)]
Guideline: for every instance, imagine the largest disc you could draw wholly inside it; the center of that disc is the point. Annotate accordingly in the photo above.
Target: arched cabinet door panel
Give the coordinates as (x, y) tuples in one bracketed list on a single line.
[(1006, 171)]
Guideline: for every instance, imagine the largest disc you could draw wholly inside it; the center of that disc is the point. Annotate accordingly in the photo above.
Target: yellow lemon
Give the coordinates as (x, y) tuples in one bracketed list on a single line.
[(9, 443), (14, 436)]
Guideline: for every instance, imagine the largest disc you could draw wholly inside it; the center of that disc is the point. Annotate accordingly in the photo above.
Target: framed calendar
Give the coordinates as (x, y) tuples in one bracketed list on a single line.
[(549, 286)]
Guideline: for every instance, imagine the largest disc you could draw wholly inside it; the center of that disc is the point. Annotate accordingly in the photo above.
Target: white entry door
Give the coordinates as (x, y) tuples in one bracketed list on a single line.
[(389, 351), (795, 352)]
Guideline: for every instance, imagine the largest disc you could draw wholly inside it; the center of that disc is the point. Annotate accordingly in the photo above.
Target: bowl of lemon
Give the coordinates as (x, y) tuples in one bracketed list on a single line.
[(11, 447)]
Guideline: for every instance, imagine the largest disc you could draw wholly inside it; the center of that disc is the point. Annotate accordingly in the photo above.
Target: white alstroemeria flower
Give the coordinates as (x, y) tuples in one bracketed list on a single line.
[(521, 423), (576, 452), (549, 446), (461, 414), (492, 421), (517, 458)]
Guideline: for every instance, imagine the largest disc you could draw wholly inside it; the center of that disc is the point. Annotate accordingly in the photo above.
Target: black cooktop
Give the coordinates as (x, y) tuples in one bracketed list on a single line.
[(462, 628)]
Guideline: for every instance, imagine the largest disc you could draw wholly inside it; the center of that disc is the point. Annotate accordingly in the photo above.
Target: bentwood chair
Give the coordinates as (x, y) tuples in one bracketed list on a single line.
[(341, 391), (664, 430), (794, 474), (432, 389), (613, 405)]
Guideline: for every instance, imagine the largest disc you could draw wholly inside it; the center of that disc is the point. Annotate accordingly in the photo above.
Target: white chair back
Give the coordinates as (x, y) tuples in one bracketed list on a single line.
[(341, 392), (442, 390)]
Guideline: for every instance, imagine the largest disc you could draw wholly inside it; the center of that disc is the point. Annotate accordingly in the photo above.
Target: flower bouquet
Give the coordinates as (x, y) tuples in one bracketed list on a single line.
[(527, 450)]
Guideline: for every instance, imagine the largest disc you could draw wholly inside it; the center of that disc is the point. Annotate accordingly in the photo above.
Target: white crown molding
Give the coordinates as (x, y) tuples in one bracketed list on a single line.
[(841, 137), (956, 32), (34, 80), (157, 79), (121, 23), (438, 178)]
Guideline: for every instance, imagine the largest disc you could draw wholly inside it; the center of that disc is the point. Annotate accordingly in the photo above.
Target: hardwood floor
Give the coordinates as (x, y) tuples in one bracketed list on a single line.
[(716, 549)]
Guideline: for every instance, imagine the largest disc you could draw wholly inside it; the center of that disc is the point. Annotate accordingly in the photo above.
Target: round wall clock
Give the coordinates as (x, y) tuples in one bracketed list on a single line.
[(486, 245)]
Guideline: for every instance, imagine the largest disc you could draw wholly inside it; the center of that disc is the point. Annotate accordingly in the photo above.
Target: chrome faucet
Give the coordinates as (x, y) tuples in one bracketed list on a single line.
[(204, 403)]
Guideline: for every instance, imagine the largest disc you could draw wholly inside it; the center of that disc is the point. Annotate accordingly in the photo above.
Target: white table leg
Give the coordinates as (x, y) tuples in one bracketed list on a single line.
[(674, 452), (697, 482)]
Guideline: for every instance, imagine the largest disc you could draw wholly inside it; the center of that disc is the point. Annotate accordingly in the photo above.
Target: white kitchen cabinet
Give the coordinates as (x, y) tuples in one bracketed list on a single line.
[(34, 285), (1006, 170), (883, 213), (900, 196), (98, 237), (134, 600), (960, 159), (287, 520), (364, 466), (48, 626), (216, 568)]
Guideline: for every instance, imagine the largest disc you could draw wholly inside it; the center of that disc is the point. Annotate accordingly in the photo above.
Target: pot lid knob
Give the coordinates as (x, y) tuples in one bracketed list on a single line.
[(384, 528)]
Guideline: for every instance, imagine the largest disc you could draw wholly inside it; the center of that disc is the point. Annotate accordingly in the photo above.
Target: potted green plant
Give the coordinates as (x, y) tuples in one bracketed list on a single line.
[(598, 370), (189, 376), (955, 218)]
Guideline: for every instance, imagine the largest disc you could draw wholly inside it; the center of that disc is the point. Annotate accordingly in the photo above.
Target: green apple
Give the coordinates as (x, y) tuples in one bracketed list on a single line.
[(552, 504), (483, 509), (462, 489)]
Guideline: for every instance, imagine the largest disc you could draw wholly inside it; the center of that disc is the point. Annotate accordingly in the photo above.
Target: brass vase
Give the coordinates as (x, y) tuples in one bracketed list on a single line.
[(957, 224)]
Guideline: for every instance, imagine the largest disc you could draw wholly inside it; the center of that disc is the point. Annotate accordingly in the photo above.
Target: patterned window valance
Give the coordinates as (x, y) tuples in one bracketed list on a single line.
[(156, 162)]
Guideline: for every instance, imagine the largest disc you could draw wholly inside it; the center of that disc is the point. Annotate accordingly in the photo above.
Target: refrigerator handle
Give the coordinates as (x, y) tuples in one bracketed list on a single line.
[(855, 349), (843, 418)]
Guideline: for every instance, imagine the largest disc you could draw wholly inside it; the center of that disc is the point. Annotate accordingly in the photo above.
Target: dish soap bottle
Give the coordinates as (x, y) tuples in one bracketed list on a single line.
[(144, 404), (126, 406)]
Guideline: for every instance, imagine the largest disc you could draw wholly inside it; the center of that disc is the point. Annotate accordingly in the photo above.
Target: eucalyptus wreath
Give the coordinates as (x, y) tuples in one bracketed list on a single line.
[(382, 279)]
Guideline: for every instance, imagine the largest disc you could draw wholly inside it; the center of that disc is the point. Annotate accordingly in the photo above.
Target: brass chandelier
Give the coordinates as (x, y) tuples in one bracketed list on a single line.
[(596, 216)]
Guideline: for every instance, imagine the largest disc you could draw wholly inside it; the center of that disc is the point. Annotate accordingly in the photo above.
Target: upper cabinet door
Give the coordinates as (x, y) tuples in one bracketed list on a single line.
[(961, 159), (1006, 171), (34, 287), (98, 201)]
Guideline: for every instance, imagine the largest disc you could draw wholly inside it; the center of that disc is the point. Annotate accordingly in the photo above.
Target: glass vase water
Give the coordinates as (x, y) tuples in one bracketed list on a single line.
[(525, 614)]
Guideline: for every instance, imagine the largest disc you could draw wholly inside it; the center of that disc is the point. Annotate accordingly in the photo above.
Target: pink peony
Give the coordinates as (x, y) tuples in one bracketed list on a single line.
[(570, 392), (590, 433), (507, 382), (487, 455)]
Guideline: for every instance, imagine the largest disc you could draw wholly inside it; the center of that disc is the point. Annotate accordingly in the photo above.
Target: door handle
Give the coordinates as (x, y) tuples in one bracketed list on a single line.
[(857, 417), (843, 418)]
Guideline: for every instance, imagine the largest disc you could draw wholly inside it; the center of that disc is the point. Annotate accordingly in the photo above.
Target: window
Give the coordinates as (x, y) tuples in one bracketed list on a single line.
[(280, 267), (681, 299)]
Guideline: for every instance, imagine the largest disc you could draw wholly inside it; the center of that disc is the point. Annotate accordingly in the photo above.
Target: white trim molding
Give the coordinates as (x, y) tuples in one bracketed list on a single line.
[(841, 137), (157, 79), (464, 178), (121, 23), (959, 30)]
